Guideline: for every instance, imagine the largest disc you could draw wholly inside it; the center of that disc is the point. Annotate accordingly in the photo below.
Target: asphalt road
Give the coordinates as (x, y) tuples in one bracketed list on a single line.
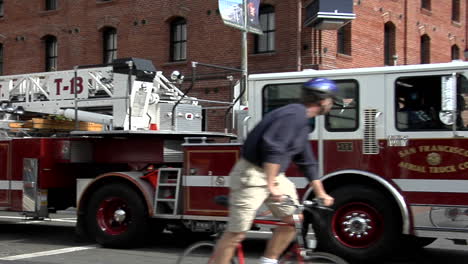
[(52, 241)]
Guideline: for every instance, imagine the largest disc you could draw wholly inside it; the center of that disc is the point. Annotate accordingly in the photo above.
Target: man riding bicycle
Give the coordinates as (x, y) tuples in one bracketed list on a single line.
[(258, 177)]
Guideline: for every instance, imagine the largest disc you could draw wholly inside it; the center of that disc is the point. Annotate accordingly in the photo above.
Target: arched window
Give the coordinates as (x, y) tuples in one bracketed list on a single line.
[(343, 41), (50, 53), (178, 50), (1, 59), (456, 10), (109, 37), (266, 42), (426, 4), (389, 43), (425, 49), (50, 4), (1, 8), (455, 51)]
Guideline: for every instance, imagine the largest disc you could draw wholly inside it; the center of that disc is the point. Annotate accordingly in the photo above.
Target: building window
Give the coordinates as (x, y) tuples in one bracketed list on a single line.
[(1, 8), (1, 59), (50, 53), (266, 42), (50, 4), (455, 52), (344, 39), (179, 39), (456, 10), (426, 4), (109, 36), (425, 49), (389, 44)]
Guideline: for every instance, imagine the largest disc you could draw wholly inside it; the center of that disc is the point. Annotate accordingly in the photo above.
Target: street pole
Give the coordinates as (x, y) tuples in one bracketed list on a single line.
[(245, 54)]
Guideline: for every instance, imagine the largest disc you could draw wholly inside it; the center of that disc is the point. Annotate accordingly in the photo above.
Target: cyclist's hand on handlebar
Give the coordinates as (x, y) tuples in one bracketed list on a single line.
[(275, 194), (326, 199)]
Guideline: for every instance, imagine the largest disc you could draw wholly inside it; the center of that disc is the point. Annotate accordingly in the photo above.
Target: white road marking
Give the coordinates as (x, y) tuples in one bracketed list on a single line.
[(48, 253), (65, 220)]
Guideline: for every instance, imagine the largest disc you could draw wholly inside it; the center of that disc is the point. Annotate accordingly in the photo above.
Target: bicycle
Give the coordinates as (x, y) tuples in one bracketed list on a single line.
[(300, 251)]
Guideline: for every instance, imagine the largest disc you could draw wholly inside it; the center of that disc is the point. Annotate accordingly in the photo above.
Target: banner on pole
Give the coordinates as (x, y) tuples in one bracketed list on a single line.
[(232, 13)]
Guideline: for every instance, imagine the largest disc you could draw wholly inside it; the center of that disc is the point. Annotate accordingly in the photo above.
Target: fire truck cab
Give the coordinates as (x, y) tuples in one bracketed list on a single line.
[(393, 154)]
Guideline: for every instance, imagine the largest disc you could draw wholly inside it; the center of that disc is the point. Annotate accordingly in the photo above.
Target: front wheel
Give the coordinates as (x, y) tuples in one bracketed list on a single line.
[(313, 258), (366, 224)]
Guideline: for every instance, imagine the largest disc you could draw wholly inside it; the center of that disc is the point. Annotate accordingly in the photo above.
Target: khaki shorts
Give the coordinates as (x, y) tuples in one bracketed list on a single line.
[(249, 191)]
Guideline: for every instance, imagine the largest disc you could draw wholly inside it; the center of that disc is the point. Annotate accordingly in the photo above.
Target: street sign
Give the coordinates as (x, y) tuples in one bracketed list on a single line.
[(232, 13)]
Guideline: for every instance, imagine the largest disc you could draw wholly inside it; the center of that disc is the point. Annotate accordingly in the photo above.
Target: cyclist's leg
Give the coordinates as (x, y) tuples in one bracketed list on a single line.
[(244, 201), (282, 235), (226, 246)]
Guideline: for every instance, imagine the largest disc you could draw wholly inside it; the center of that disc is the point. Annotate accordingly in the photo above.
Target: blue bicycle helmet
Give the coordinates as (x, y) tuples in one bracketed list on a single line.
[(317, 89)]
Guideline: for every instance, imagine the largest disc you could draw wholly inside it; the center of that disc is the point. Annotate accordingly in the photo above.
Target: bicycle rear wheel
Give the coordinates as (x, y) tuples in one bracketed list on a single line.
[(313, 258), (199, 253)]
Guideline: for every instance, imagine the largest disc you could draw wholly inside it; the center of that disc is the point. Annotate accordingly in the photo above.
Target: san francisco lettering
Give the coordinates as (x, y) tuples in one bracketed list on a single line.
[(433, 149)]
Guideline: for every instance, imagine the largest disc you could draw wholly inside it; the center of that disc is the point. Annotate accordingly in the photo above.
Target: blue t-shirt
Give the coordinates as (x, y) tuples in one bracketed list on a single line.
[(282, 137)]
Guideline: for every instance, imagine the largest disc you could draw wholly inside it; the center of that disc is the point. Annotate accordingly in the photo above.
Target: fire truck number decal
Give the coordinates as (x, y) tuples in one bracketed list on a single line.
[(433, 159), (70, 87), (64, 86), (344, 146)]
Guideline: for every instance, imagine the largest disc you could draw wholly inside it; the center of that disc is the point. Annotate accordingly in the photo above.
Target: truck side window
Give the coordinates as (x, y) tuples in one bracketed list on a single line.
[(341, 118), (278, 95), (462, 101), (418, 103), (344, 117)]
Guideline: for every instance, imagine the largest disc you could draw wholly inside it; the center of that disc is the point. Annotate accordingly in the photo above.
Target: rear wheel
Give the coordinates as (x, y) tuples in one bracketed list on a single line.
[(117, 216), (199, 253), (365, 225), (313, 258)]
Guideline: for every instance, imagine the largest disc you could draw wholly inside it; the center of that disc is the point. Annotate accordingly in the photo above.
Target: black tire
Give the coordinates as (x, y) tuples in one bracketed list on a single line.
[(314, 258), (105, 228), (199, 253), (365, 226), (411, 243)]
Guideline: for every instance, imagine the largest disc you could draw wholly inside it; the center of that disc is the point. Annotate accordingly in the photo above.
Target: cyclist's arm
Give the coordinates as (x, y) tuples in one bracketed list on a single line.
[(271, 171), (320, 192)]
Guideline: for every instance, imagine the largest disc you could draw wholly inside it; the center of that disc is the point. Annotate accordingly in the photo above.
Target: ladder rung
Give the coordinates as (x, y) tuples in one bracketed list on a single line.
[(165, 200), (168, 184)]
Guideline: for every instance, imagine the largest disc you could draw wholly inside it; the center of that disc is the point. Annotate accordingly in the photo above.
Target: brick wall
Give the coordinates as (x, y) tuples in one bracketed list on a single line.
[(143, 31)]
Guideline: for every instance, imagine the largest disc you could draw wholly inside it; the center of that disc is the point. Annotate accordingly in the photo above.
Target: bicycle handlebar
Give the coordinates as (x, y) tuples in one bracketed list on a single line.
[(316, 203)]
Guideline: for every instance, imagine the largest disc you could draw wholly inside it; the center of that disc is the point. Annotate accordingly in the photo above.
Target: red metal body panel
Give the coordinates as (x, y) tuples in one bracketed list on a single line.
[(128, 150), (50, 155), (16, 200), (4, 172), (204, 161), (410, 162), (431, 159)]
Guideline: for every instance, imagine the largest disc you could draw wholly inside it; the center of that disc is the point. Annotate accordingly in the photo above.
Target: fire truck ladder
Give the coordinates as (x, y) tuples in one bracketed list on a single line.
[(166, 197)]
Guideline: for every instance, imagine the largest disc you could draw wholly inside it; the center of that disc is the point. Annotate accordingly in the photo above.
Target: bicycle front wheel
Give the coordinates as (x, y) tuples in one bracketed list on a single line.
[(313, 258), (199, 253)]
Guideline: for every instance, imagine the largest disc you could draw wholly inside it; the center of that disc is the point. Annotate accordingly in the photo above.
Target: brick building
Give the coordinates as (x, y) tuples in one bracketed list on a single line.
[(46, 35)]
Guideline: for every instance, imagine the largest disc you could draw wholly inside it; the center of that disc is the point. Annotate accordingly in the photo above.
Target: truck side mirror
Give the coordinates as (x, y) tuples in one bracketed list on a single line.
[(449, 99)]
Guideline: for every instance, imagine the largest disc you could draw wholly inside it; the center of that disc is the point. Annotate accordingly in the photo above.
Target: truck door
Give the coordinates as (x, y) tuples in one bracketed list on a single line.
[(4, 174), (426, 157)]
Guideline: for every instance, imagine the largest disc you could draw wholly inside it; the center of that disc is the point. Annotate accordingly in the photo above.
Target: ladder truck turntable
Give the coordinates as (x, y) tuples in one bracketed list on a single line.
[(399, 175)]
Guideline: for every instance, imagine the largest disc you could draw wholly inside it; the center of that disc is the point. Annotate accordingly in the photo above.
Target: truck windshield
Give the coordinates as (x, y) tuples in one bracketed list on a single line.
[(418, 103)]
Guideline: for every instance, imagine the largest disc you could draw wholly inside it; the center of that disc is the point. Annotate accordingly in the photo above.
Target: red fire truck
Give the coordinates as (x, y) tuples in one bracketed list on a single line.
[(394, 154)]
